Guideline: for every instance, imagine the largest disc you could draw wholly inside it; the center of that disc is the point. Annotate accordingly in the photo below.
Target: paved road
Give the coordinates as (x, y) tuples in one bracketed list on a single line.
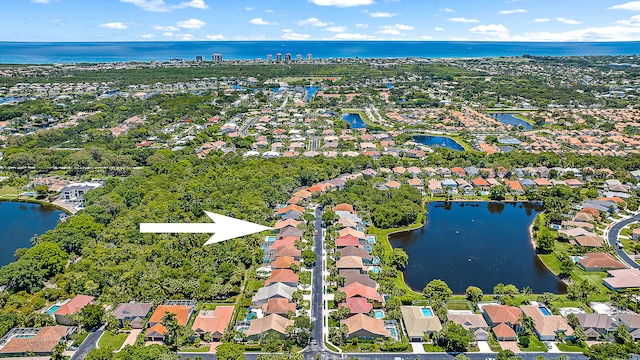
[(90, 343), (245, 127), (472, 356), (316, 294), (613, 238)]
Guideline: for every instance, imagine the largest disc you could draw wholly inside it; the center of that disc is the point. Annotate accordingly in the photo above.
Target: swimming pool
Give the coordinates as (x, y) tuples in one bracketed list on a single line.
[(271, 239), (251, 316), (393, 332), (53, 309), (369, 248), (376, 270), (545, 311), (427, 312), (372, 240), (379, 314)]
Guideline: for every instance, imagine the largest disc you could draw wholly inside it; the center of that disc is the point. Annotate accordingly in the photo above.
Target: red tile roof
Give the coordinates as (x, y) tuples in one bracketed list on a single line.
[(182, 313), (280, 306), (344, 207), (43, 342), (357, 305), (213, 321), (359, 290), (502, 313), (74, 305), (284, 276), (348, 240)]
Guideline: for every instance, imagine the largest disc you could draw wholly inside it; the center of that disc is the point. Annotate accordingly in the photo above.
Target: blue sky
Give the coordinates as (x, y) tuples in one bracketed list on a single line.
[(171, 20)]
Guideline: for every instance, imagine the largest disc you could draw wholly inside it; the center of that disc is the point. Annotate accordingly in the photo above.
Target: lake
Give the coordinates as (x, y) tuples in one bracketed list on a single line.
[(355, 120), (20, 221), (438, 141), (476, 243), (512, 120)]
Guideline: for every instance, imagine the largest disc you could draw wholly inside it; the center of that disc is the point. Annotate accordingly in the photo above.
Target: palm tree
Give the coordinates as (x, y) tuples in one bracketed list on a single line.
[(527, 323)]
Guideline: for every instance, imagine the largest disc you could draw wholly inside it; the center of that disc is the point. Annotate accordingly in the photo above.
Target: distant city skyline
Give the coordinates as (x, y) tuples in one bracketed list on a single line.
[(217, 20)]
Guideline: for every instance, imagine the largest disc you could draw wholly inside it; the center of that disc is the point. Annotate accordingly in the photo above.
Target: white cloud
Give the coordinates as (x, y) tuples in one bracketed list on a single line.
[(541, 20), (148, 36), (382, 14), (514, 11), (631, 5), (390, 32), (633, 21), (248, 8), (161, 6), (463, 20), (492, 31), (606, 33), (312, 22), (438, 29), (342, 3), (114, 26), (449, 10), (184, 37), (568, 21), (396, 29), (362, 26), (290, 35), (349, 36), (165, 28), (261, 21), (191, 24), (168, 34), (426, 37), (270, 11), (337, 29), (215, 37), (40, 1)]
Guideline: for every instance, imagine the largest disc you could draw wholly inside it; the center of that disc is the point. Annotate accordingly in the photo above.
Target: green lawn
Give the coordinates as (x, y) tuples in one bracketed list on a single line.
[(196, 349), (458, 305), (79, 337), (110, 341), (432, 348), (570, 348), (213, 306), (9, 190), (625, 232), (331, 347), (535, 345)]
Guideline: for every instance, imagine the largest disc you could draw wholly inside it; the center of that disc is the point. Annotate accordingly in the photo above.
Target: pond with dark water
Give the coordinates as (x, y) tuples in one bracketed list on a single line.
[(476, 243), (355, 120), (20, 221), (438, 141)]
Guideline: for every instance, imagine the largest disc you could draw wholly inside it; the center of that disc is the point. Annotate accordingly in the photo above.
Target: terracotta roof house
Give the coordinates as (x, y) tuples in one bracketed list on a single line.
[(542, 182), (283, 262), (473, 322), (284, 241), (132, 313), (459, 171), (285, 223), (356, 251), (583, 217), (547, 327), (357, 305), (574, 183), (348, 231), (480, 183), (622, 279), (514, 186), (289, 231), (601, 324), (213, 322), (157, 331), (504, 332), (296, 208), (294, 200), (369, 172), (419, 320), (587, 241), (43, 343), (277, 290), (304, 194), (284, 276), (344, 207), (599, 262), (268, 324), (355, 276), (63, 314), (496, 314), (414, 170), (349, 262), (345, 222), (364, 328), (347, 241), (280, 306), (359, 290)]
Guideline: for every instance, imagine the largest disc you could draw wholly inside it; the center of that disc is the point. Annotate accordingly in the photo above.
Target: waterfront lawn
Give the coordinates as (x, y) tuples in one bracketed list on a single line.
[(8, 190), (535, 345), (110, 341), (213, 306), (458, 305)]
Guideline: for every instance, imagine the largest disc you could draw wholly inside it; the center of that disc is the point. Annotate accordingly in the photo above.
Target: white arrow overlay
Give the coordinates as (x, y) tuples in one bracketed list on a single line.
[(223, 227)]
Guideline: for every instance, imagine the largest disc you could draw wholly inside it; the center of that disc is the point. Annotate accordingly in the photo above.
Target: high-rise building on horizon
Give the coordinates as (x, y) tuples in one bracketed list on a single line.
[(217, 57), (309, 57), (199, 58), (287, 57), (299, 57), (269, 57), (279, 57)]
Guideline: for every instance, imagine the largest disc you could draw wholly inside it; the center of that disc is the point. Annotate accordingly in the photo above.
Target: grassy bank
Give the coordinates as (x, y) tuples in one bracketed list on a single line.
[(35, 201)]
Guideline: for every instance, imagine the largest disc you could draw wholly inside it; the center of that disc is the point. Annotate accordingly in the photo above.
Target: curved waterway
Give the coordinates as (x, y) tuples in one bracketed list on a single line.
[(20, 221), (476, 243)]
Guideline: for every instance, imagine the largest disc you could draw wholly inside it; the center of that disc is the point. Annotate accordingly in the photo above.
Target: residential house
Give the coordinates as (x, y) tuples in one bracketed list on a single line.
[(503, 319), (280, 306), (284, 262), (74, 192), (596, 325), (39, 342), (350, 262), (347, 241), (213, 322), (356, 276), (132, 313), (622, 279), (599, 262), (473, 322), (357, 305), (364, 327), (632, 321), (546, 325), (356, 251), (277, 290), (504, 332), (283, 276), (273, 323), (418, 321), (64, 312), (359, 290), (157, 331)]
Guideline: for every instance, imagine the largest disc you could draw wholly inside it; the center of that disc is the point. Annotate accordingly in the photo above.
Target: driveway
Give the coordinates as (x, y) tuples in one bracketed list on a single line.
[(90, 343), (510, 345), (131, 339), (417, 348), (484, 347)]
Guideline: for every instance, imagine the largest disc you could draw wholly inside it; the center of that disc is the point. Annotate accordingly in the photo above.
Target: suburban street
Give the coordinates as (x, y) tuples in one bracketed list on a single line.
[(316, 283), (90, 343), (612, 236)]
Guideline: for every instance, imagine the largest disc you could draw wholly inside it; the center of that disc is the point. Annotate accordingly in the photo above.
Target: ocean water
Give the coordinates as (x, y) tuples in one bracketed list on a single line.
[(80, 52)]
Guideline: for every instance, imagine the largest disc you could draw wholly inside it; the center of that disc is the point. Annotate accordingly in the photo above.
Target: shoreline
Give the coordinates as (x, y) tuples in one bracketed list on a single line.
[(41, 203)]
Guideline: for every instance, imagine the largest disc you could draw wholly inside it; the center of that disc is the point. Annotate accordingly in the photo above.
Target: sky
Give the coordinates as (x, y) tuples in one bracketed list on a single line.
[(233, 20)]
